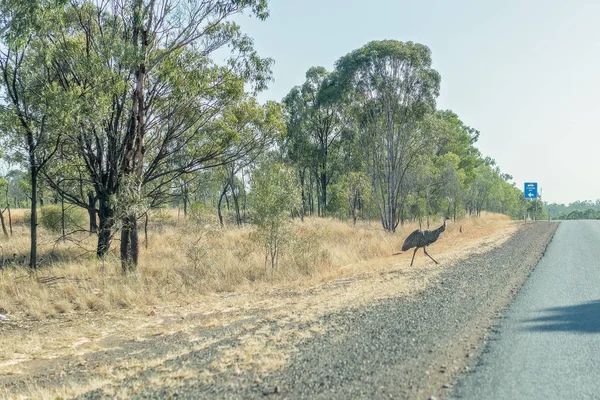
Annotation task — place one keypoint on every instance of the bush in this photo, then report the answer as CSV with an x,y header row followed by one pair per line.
x,y
306,251
275,193
202,215
27,218
51,218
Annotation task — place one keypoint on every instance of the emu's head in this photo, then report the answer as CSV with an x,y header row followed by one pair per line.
x,y
446,218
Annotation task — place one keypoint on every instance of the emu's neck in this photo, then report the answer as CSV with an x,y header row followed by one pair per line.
x,y
443,227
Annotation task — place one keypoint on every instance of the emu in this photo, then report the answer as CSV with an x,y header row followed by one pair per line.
x,y
420,238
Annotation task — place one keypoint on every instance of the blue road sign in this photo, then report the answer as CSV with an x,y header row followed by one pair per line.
x,y
531,190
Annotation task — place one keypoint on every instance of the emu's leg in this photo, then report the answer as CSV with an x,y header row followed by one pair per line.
x,y
429,255
413,259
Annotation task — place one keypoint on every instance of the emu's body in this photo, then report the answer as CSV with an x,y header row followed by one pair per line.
x,y
420,238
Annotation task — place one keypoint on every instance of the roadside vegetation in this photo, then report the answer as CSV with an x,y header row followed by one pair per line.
x,y
151,173
188,260
586,209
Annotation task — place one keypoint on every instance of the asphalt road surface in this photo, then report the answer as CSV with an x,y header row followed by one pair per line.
x,y
548,344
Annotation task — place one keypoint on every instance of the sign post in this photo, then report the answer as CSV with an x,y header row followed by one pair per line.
x,y
530,191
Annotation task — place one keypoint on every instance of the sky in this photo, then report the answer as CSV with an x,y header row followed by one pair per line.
x,y
526,74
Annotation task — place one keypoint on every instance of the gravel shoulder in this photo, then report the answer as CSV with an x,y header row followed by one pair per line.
x,y
408,348
413,344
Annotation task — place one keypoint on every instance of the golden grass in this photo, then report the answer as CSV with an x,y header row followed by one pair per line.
x,y
185,260
197,275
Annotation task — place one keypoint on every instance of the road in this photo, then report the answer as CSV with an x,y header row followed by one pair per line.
x,y
548,344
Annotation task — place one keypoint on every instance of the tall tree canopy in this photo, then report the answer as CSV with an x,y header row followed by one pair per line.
x,y
392,88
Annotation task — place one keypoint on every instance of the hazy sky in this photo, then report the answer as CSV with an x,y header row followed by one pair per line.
x,y
524,73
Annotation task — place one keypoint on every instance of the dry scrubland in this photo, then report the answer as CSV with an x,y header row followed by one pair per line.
x,y
196,277
187,259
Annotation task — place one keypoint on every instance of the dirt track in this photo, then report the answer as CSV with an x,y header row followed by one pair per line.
x,y
403,347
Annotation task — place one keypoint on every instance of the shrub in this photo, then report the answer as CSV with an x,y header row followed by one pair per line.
x,y
51,218
275,193
27,218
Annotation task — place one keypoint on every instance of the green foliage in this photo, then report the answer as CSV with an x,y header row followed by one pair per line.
x,y
274,197
350,197
536,210
27,218
585,209
413,161
362,141
51,218
393,89
203,215
578,214
315,120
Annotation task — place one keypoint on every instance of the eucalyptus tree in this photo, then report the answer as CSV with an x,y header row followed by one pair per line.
x,y
316,121
392,88
33,113
274,197
252,129
3,191
483,187
454,159
148,93
296,147
459,139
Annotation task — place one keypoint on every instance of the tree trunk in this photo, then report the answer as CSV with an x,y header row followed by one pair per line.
x,y
92,212
302,177
62,216
311,204
402,212
8,209
236,207
185,203
354,207
106,223
10,224
221,204
129,245
245,196
184,192
9,220
3,224
33,224
146,232
323,193
125,250
319,195
133,160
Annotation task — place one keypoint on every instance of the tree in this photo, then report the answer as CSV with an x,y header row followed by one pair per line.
x,y
3,190
315,118
148,93
274,196
296,147
33,111
355,185
252,129
393,89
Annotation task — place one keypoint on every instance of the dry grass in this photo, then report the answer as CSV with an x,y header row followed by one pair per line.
x,y
198,275
185,260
